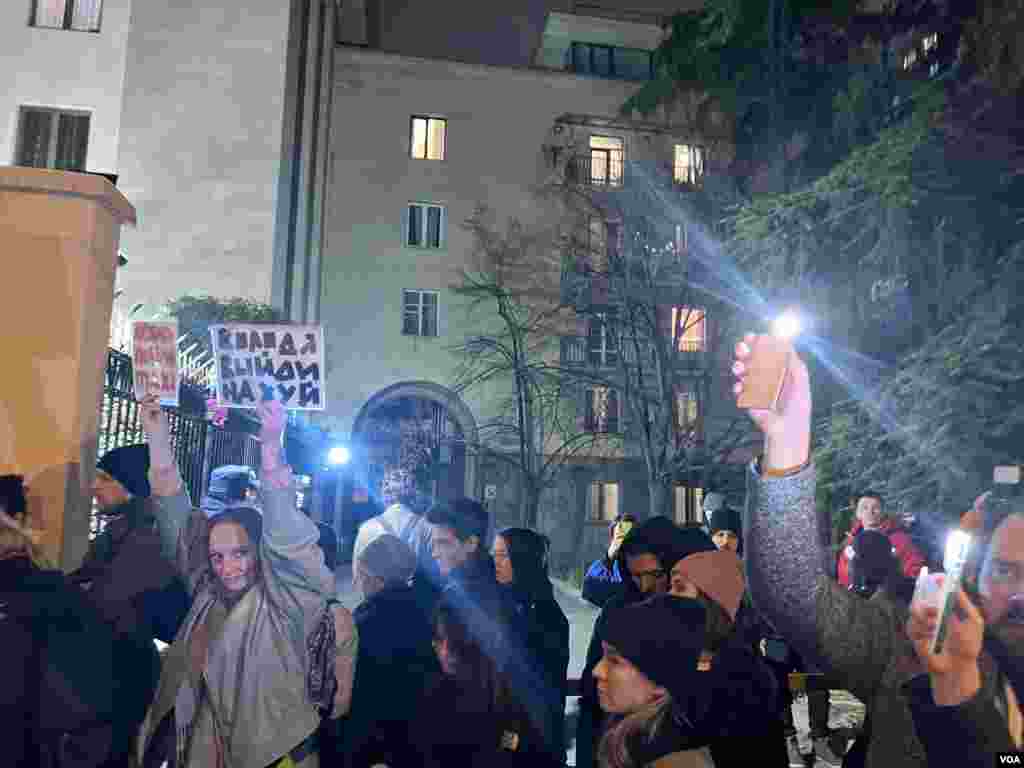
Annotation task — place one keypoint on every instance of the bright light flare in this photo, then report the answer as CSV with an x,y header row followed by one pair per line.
x,y
958,544
788,325
338,455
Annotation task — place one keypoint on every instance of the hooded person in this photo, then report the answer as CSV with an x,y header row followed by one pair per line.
x,y
53,708
647,682
724,523
645,559
394,667
130,579
230,486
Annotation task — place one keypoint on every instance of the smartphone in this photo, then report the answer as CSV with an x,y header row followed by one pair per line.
x,y
957,548
766,373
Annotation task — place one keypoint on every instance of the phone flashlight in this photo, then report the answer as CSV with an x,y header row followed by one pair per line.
x,y
958,546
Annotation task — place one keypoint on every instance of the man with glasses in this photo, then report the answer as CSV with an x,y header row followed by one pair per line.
x,y
645,559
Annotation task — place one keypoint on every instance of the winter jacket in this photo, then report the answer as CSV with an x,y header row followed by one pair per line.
x,y
257,668
602,582
462,727
971,734
395,666
670,543
861,643
541,633
57,701
911,558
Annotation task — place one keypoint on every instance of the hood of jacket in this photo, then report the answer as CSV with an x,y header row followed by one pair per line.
x,y
665,540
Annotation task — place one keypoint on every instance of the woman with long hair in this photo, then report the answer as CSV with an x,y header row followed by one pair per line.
x,y
254,666
539,652
647,682
470,717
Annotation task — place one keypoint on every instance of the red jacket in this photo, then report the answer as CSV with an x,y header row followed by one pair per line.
x,y
910,556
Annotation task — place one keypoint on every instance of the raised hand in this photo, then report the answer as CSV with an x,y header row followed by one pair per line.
x,y
153,419
954,670
273,418
787,428
158,433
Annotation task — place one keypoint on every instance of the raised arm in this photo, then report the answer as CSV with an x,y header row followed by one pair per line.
x,y
290,549
178,523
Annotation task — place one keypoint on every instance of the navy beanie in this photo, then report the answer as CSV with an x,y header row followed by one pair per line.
x,y
663,637
129,465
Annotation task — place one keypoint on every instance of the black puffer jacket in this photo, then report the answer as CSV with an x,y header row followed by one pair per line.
x,y
670,544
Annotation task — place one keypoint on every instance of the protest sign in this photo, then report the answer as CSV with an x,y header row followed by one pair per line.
x,y
258,362
155,360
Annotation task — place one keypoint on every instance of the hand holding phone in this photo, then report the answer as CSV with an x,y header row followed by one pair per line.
x,y
766,373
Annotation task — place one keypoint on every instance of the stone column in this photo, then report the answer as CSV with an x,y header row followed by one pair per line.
x,y
59,233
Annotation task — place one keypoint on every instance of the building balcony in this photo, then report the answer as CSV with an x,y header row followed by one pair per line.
x,y
599,170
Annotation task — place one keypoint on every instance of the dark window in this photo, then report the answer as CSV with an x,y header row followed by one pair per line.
x,y
611,61
419,313
425,225
50,138
602,415
77,15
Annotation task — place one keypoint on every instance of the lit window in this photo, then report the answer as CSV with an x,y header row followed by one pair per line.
x,y
602,343
77,15
606,161
425,225
602,410
604,502
687,410
910,59
52,138
688,329
687,503
931,42
419,313
688,167
429,135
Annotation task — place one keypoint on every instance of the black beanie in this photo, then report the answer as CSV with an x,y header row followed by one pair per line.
x,y
663,637
129,465
725,519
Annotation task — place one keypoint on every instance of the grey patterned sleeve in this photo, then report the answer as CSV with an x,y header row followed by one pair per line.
x,y
786,553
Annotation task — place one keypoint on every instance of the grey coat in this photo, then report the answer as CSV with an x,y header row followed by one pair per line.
x,y
859,642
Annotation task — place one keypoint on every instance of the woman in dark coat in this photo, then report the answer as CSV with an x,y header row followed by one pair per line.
x,y
470,717
540,653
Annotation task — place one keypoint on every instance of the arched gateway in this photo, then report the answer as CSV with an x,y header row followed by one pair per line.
x,y
414,436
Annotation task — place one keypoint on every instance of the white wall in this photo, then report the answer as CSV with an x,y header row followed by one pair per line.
x,y
200,147
498,121
67,69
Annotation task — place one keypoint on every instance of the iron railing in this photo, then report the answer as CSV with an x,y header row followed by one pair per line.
x,y
199,446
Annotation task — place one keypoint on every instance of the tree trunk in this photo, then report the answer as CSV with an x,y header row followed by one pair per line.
x,y
530,516
660,497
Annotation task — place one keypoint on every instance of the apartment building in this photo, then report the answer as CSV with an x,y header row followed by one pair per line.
x,y
417,144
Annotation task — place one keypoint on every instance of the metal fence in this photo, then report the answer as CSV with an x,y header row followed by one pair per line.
x,y
198,445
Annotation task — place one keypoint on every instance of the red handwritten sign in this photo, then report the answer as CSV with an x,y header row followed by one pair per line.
x,y
155,360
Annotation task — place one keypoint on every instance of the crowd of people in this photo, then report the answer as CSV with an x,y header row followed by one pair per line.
x,y
458,653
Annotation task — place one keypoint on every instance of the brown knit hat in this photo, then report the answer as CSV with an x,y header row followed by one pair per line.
x,y
719,575
389,559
